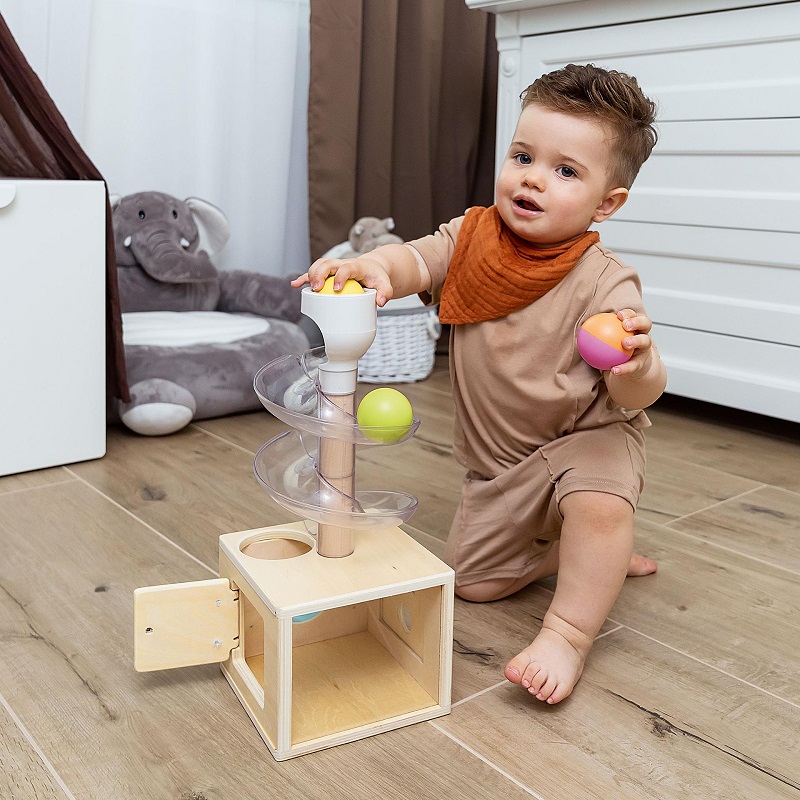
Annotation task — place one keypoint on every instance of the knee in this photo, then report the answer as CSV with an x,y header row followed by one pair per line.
x,y
598,510
486,591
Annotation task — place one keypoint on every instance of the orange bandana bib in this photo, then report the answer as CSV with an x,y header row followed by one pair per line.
x,y
494,272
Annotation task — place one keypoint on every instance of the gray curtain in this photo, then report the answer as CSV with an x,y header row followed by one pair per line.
x,y
401,117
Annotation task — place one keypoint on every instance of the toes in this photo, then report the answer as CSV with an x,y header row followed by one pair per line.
x,y
548,669
525,672
534,677
521,669
547,689
640,565
515,668
512,674
561,691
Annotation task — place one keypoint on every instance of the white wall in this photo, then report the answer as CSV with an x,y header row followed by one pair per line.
x,y
54,36
190,97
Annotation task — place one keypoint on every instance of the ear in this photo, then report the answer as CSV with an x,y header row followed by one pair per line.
x,y
612,202
114,200
212,224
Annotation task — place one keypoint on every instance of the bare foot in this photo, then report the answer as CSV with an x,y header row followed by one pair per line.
x,y
549,667
641,565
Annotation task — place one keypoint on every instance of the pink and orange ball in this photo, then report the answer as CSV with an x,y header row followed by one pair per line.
x,y
600,341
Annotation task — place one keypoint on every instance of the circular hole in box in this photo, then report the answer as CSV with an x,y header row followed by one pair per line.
x,y
277,546
406,620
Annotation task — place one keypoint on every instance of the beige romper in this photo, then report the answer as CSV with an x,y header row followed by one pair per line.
x,y
533,421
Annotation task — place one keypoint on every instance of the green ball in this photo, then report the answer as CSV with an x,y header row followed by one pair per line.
x,y
388,412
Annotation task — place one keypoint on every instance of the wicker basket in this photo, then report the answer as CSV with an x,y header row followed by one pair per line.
x,y
405,343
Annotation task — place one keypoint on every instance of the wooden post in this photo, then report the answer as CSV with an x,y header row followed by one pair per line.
x,y
337,464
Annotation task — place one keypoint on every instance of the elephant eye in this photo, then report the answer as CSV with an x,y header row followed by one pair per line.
x,y
142,215
174,214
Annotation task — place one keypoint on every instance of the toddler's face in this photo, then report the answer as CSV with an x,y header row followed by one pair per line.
x,y
554,181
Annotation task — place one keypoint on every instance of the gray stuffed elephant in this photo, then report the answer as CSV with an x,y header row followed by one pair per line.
x,y
194,336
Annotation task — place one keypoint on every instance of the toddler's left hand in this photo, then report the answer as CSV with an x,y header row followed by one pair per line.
x,y
638,325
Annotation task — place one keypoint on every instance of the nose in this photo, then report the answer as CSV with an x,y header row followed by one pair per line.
x,y
533,177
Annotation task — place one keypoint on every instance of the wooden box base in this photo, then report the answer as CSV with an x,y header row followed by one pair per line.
x,y
334,650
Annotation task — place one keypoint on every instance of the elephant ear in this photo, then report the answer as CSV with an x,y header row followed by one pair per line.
x,y
212,225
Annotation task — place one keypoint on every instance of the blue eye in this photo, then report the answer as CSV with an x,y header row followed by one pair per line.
x,y
523,158
566,172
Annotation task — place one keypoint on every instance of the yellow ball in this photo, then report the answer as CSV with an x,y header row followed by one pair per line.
x,y
387,412
350,287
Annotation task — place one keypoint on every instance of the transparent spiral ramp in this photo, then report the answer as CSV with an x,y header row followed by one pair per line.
x,y
288,465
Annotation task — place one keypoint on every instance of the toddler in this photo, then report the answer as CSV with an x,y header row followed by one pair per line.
x,y
553,449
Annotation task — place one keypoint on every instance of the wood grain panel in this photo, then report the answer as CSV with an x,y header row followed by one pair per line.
x,y
23,775
763,524
730,448
643,722
32,480
739,615
674,488
189,486
431,543
66,625
248,431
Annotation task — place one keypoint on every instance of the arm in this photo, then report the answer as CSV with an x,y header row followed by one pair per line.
x,y
640,381
393,270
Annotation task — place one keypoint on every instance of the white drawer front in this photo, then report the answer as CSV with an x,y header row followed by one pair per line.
x,y
743,373
713,221
52,324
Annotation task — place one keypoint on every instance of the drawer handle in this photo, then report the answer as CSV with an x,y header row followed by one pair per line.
x,y
8,191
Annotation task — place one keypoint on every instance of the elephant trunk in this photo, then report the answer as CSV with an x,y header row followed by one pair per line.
x,y
164,258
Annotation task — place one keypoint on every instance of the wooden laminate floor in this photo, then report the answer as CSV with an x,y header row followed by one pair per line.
x,y
691,691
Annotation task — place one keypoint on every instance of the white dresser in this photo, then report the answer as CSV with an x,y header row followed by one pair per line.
x,y
713,221
52,323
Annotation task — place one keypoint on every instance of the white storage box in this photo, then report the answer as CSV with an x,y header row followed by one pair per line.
x,y
52,323
405,343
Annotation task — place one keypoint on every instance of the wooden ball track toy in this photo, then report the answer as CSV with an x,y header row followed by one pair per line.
x,y
312,473
330,638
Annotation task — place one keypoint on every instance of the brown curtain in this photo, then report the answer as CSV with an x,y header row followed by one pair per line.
x,y
401,117
35,142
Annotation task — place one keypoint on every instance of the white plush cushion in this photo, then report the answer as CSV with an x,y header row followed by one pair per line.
x,y
157,419
185,328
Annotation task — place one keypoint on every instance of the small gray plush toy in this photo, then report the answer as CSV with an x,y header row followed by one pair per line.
x,y
194,336
366,235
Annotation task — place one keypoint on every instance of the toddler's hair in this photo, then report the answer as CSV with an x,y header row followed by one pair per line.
x,y
612,98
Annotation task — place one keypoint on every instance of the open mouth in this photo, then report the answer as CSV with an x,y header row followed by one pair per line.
x,y
526,205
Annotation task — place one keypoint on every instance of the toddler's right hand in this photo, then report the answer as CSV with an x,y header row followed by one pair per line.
x,y
366,269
